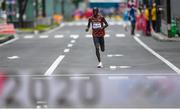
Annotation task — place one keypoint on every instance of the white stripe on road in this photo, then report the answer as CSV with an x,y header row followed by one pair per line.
x,y
69,45
118,77
43,36
120,35
88,35
13,57
121,67
54,65
58,36
107,35
66,50
172,66
79,78
114,55
75,36
28,37
156,77
73,41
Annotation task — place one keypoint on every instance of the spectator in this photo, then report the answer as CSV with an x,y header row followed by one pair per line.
x,y
147,17
154,17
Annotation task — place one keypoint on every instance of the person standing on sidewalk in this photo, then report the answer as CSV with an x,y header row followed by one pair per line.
x,y
99,24
132,18
148,24
154,17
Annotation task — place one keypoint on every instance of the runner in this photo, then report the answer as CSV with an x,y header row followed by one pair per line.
x,y
99,24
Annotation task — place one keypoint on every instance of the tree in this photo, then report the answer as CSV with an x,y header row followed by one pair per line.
x,y
22,9
76,2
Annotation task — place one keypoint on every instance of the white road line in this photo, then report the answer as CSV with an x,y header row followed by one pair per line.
x,y
66,50
114,55
107,35
172,66
118,77
54,65
55,29
88,35
58,36
10,41
120,67
43,36
28,36
74,36
79,78
137,35
73,41
120,35
69,45
156,77
13,57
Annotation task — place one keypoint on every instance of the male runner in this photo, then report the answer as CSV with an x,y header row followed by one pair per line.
x,y
99,24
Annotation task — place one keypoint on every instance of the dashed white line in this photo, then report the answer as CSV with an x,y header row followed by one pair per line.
x,y
28,37
43,36
54,65
114,55
69,45
13,57
121,67
88,36
66,50
120,35
79,78
10,41
74,36
172,66
107,35
156,77
58,36
73,41
118,77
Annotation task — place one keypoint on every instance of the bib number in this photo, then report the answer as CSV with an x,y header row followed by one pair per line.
x,y
96,25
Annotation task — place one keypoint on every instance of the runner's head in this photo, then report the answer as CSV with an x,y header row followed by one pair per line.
x,y
95,11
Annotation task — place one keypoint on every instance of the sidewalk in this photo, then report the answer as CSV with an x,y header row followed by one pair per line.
x,y
162,37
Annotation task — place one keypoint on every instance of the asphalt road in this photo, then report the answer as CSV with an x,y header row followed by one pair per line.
x,y
130,63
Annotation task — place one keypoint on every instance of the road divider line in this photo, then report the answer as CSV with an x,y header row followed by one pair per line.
x,y
120,35
69,45
114,55
58,36
172,66
118,77
120,67
43,36
28,36
66,50
79,78
156,77
88,35
75,36
54,65
73,41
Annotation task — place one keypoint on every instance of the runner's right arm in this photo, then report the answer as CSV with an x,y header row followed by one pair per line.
x,y
88,26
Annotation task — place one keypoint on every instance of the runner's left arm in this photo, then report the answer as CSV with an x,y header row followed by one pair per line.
x,y
88,26
105,22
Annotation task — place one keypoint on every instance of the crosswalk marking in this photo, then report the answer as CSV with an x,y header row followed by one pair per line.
x,y
58,36
74,36
120,35
28,37
43,36
66,50
107,35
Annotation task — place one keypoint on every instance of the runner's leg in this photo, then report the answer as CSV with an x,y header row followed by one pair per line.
x,y
102,45
96,44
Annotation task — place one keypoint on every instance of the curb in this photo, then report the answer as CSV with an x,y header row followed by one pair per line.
x,y
162,37
4,39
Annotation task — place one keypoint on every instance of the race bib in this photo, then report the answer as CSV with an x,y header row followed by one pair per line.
x,y
96,25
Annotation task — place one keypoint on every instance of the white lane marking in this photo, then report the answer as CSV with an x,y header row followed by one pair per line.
x,y
10,41
13,57
112,23
121,67
114,55
137,35
75,36
73,41
88,35
58,36
66,50
69,45
55,29
118,77
107,35
156,77
54,65
79,78
120,35
172,66
28,36
43,36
